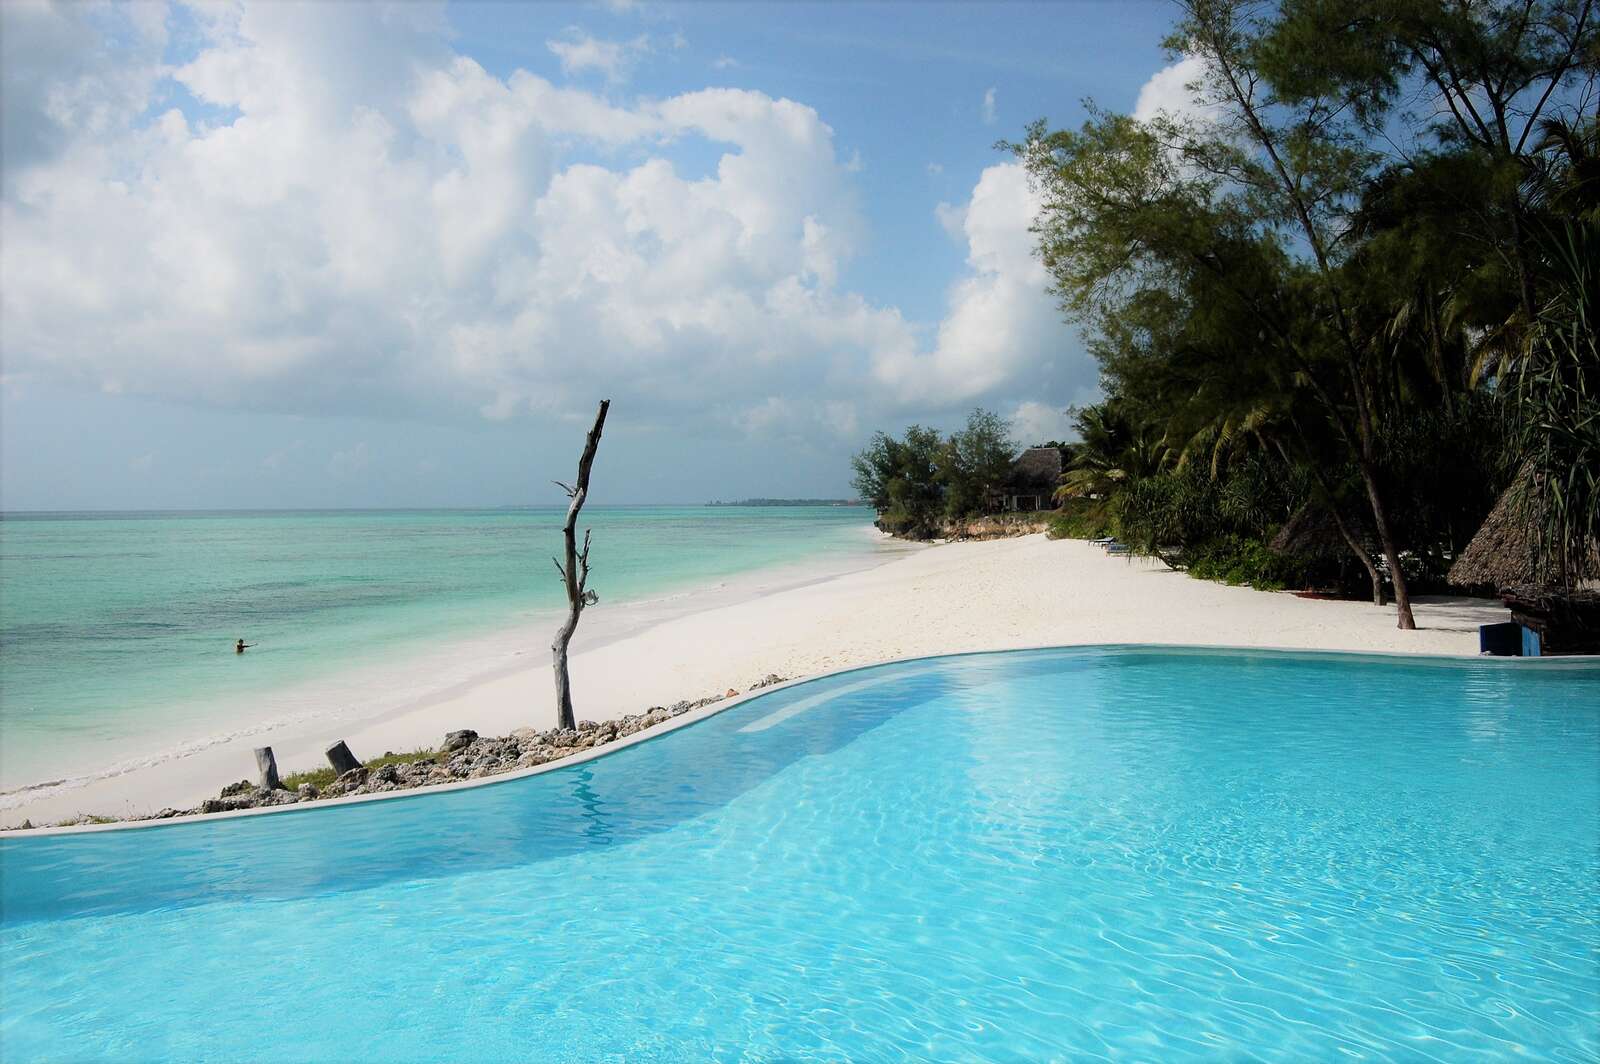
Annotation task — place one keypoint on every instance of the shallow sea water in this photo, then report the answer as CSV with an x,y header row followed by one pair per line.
x,y
1123,853
117,630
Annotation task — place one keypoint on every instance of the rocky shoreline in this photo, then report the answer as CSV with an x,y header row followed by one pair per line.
x,y
463,755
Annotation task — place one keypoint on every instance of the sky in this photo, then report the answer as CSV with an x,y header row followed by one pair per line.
x,y
339,254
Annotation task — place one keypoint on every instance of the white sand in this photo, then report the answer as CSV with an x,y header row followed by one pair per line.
x,y
955,597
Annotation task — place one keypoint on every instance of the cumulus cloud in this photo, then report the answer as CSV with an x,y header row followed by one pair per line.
x,y
1000,319
1033,422
347,216
988,107
1171,91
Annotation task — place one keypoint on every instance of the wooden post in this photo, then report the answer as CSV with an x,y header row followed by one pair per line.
x,y
268,767
575,573
340,757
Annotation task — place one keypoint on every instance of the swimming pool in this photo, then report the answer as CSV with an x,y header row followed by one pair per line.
x,y
1133,852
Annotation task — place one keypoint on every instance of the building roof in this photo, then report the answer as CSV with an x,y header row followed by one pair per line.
x,y
1503,552
1038,469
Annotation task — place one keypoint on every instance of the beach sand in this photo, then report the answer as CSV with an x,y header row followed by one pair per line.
x,y
993,595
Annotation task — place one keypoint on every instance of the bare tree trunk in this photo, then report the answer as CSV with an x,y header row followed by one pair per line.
x,y
1360,552
1402,597
575,573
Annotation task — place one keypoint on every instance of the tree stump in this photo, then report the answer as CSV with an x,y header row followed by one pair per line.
x,y
342,760
267,765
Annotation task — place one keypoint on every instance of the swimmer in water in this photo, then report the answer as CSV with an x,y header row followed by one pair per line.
x,y
241,646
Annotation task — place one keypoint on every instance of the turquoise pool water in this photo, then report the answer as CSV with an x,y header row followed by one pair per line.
x,y
1131,853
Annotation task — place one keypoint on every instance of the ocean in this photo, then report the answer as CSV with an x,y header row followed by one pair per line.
x,y
117,629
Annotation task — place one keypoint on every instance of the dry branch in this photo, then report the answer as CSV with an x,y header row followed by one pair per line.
x,y
575,572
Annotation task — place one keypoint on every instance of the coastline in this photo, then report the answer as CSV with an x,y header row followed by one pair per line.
x,y
313,713
952,598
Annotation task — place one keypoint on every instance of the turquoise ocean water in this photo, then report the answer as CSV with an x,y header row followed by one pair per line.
x,y
116,629
1091,854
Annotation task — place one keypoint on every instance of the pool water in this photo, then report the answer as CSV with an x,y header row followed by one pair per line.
x,y
1068,854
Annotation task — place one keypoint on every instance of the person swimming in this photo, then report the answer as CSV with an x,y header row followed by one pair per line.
x,y
241,646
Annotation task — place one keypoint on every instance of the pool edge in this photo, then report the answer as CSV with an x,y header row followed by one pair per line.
x,y
695,716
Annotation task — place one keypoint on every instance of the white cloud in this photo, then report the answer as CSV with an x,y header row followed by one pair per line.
x,y
935,168
580,53
1000,318
403,230
1034,422
1170,91
724,62
953,220
988,107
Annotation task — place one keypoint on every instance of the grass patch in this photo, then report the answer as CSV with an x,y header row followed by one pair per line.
x,y
320,778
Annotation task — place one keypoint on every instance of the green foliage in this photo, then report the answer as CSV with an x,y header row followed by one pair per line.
x,y
1236,560
900,479
974,462
1557,428
1082,519
1291,315
320,778
917,481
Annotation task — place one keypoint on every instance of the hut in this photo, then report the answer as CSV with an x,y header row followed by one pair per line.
x,y
1503,559
1503,553
1032,484
1312,533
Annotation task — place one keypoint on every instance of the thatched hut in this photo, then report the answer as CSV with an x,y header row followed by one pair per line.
x,y
1034,477
1503,558
1312,533
1504,552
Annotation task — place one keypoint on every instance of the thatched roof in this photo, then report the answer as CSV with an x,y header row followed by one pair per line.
x,y
1312,532
1038,469
1503,553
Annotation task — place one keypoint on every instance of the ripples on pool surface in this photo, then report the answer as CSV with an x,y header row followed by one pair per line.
x,y
1056,854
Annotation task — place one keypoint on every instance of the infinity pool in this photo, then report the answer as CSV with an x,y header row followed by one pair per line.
x,y
1068,854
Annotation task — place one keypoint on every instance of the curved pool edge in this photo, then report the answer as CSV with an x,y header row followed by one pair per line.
x,y
695,716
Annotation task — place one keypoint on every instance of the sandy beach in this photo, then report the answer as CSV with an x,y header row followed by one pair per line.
x,y
949,598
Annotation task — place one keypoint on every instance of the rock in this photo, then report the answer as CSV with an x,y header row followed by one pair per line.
x,y
731,693
307,791
385,774
766,681
356,777
237,788
167,814
457,740
587,725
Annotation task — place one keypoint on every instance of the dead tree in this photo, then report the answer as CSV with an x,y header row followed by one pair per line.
x,y
575,573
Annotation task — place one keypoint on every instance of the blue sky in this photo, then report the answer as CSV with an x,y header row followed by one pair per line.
x,y
368,255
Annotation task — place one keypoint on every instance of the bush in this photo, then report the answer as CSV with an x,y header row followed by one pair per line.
x,y
1238,560
1082,519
